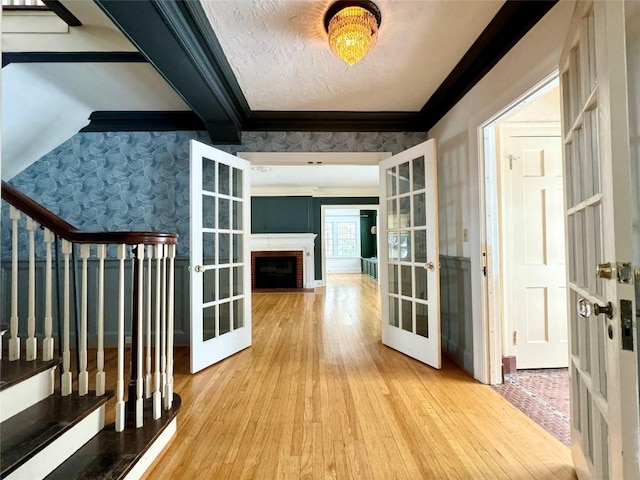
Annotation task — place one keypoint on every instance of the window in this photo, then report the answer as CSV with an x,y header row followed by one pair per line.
x,y
342,237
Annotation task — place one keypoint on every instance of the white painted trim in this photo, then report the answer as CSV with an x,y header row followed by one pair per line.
x,y
21,396
53,455
487,333
153,452
307,158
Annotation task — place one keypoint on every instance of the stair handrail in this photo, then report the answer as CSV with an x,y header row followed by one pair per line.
x,y
160,248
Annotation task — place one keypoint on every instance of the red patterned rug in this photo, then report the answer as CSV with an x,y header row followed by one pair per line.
x,y
543,395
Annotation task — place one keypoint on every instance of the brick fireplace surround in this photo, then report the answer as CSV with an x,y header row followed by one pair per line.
x,y
299,264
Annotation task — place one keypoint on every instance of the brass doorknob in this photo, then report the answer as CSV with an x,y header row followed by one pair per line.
x,y
604,270
197,268
607,309
431,266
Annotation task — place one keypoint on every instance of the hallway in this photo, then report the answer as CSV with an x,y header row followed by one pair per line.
x,y
318,396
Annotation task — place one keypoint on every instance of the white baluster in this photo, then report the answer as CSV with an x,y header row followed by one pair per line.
x,y
83,375
47,343
100,374
120,406
32,341
14,340
163,344
139,378
147,378
157,396
168,397
66,380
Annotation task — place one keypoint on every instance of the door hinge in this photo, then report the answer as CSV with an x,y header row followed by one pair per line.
x,y
484,263
511,159
515,337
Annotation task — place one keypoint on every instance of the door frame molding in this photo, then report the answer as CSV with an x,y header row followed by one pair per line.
x,y
488,346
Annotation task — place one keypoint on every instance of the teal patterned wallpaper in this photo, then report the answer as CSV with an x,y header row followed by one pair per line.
x,y
140,180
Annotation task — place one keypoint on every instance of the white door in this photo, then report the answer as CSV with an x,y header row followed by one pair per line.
x,y
604,373
535,281
409,264
220,255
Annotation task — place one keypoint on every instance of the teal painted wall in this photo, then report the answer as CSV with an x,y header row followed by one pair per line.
x,y
367,239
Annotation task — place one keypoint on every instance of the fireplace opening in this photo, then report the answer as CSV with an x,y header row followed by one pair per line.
x,y
276,272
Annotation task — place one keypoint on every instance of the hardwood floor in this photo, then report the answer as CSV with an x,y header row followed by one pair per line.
x,y
318,396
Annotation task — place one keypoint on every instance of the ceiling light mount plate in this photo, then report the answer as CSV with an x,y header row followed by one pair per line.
x,y
342,4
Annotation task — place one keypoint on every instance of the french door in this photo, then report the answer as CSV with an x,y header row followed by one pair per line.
x,y
409,259
220,255
603,364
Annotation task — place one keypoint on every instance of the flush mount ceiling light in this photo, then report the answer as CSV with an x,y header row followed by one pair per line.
x,y
353,28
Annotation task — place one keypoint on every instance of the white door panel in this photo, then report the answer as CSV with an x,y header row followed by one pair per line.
x,y
604,375
409,258
220,255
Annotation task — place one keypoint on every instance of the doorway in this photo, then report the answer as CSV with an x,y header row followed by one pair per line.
x,y
526,277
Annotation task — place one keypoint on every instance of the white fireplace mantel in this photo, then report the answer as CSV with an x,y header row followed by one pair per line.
x,y
272,242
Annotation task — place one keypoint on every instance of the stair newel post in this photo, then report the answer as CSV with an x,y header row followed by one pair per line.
x,y
168,397
157,396
47,343
120,405
32,341
136,383
83,374
147,378
14,340
66,380
100,374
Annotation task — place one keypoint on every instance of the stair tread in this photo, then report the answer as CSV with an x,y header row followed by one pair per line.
x,y
31,430
16,371
110,454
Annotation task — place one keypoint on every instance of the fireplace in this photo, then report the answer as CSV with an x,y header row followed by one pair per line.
x,y
298,245
276,269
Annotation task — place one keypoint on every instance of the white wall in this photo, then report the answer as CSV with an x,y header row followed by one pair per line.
x,y
460,193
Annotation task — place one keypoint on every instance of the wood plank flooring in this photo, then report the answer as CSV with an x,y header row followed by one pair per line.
x,y
319,396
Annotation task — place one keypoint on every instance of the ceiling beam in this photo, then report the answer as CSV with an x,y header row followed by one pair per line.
x,y
168,36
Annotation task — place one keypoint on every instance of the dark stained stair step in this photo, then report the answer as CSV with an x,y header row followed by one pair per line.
x,y
110,455
30,431
16,371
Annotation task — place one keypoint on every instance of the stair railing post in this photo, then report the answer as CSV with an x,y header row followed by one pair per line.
x,y
14,340
66,380
100,374
47,343
83,374
136,383
120,405
32,341
157,396
168,397
163,341
147,378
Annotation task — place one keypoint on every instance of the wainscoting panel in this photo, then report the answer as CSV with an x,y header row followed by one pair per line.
x,y
455,310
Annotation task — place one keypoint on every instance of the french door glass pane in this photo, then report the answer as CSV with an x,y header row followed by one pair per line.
x,y
403,178
208,248
391,182
394,314
208,175
224,183
405,246
422,319
392,213
237,248
419,210
392,238
238,279
405,280
405,212
224,214
225,318
407,315
224,240
393,278
208,211
418,174
420,246
208,286
225,291
209,322
421,283
238,314
237,183
236,215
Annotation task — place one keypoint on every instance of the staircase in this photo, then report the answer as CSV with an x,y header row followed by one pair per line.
x,y
52,424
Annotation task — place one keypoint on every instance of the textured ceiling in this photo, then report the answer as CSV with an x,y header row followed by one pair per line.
x,y
279,54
